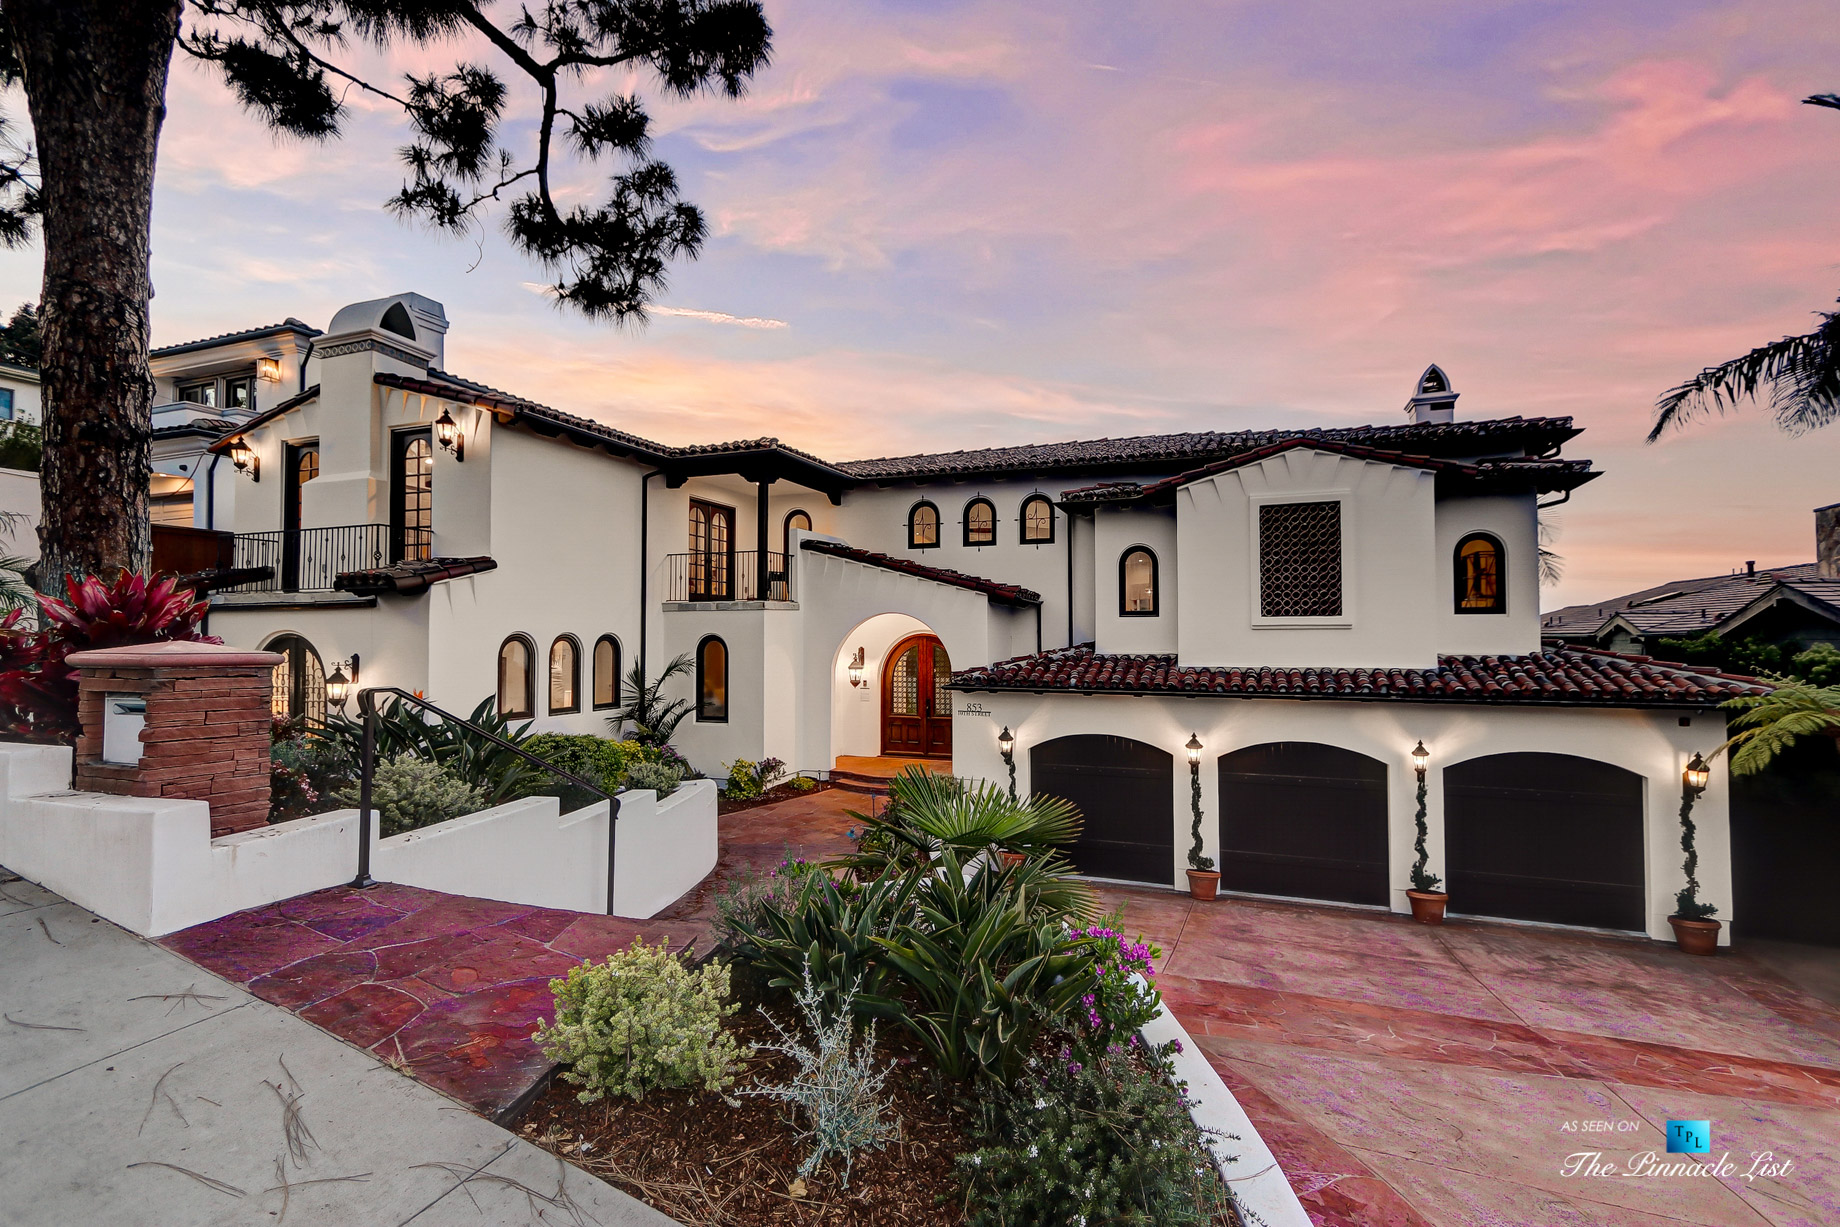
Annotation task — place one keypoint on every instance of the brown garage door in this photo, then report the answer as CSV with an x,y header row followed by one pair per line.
x,y
1304,820
1122,788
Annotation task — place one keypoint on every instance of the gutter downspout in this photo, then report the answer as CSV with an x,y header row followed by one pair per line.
x,y
1070,524
303,365
645,569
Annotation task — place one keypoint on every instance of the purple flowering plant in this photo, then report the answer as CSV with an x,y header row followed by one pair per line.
x,y
1118,1003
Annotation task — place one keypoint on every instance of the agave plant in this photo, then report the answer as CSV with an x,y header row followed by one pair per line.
x,y
38,690
1772,722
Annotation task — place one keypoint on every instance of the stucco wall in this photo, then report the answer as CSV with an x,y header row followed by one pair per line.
x,y
1116,530
1651,744
1513,521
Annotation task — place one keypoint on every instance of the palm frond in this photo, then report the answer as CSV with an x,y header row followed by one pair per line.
x,y
15,592
1772,722
1823,100
1801,375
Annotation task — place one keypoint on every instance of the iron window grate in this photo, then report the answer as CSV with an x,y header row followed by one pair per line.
x,y
1300,560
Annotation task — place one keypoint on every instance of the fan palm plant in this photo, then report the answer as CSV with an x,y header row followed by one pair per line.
x,y
654,719
1772,722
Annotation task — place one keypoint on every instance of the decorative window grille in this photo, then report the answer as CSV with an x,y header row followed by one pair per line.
x,y
1300,560
904,684
942,677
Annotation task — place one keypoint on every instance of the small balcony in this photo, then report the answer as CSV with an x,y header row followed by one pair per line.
x,y
310,559
727,578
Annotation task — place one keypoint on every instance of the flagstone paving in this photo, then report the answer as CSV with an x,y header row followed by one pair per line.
x,y
1407,1075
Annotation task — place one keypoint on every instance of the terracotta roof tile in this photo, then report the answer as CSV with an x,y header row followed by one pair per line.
x,y
290,324
1004,594
1568,676
409,577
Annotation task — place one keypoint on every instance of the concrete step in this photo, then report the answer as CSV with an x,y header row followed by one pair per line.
x,y
860,782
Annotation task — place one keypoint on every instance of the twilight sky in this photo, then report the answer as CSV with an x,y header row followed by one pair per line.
x,y
941,225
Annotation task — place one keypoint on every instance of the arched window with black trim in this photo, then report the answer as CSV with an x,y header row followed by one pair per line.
x,y
796,521
1481,580
299,682
1037,520
712,681
606,672
923,527
514,689
1137,583
564,676
980,522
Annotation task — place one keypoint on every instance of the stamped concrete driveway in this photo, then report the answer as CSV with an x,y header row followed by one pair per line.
x,y
1409,1075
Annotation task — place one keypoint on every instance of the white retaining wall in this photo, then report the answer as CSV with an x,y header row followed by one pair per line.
x,y
151,866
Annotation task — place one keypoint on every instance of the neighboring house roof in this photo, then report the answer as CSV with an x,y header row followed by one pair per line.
x,y
1538,476
1561,677
409,577
1473,438
205,428
264,418
1690,607
1003,594
290,324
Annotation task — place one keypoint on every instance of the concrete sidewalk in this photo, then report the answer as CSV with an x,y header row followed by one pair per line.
x,y
138,1088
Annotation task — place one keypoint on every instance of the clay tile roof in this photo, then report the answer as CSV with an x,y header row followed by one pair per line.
x,y
1687,607
1003,594
290,324
1563,677
410,576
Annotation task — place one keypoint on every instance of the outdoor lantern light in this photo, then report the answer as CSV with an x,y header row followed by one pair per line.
x,y
1006,742
1697,774
245,459
1194,750
448,432
268,370
1420,756
338,686
856,669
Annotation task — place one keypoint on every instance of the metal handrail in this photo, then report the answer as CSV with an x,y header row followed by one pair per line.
x,y
367,762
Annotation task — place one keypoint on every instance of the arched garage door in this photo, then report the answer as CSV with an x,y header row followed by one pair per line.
x,y
1123,790
1304,820
1545,837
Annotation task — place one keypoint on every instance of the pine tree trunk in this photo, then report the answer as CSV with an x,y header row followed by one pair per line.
x,y
95,84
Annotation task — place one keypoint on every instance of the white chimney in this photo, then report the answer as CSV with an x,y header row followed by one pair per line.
x,y
1433,401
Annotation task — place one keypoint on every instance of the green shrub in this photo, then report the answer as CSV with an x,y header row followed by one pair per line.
x,y
747,780
409,792
803,783
660,776
837,1087
1818,666
304,772
640,1020
830,927
1091,1137
22,446
601,761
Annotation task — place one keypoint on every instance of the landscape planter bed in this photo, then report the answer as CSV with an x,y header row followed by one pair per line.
x,y
779,792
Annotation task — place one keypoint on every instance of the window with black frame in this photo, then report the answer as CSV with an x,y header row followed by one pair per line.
x,y
1037,520
1137,583
980,522
514,688
712,681
606,672
1479,586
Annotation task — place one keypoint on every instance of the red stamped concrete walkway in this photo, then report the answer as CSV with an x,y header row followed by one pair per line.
x,y
1406,1075
449,987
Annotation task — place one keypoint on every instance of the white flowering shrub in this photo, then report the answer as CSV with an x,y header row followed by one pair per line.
x,y
838,1088
640,1020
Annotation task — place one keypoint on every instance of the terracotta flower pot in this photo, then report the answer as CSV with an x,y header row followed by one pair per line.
x,y
1012,859
1428,906
1203,884
1696,936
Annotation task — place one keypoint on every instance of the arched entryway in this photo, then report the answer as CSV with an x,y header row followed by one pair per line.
x,y
1123,789
299,685
1304,820
1549,837
916,706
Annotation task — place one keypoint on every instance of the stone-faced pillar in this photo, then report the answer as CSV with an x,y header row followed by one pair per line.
x,y
178,720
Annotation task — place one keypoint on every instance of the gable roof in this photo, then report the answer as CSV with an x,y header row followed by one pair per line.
x,y
1001,593
1473,438
290,324
1562,677
1489,476
1688,607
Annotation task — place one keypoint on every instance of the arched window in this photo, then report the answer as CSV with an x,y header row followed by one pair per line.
x,y
564,676
712,681
796,521
514,691
980,522
606,672
923,527
1037,520
298,689
1137,583
1481,584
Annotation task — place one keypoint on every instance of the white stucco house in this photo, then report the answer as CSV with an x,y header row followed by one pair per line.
x,y
1307,606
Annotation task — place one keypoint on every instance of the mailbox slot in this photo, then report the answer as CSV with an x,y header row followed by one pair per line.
x,y
123,717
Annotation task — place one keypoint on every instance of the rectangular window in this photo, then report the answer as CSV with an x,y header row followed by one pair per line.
x,y
240,392
412,494
6,404
1300,560
200,393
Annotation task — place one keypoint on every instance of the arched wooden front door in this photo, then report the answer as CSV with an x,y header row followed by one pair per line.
x,y
916,706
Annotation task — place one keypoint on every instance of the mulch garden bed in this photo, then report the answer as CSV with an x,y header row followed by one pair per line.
x,y
707,1164
779,792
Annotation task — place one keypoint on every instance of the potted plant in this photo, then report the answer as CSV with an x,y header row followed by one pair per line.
x,y
1203,880
1695,932
1426,899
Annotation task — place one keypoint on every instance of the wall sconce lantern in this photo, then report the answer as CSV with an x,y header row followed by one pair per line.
x,y
856,669
268,370
338,686
1194,750
1006,746
448,432
1696,776
245,459
1421,758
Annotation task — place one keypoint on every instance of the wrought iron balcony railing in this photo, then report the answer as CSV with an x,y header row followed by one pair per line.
x,y
309,559
728,577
